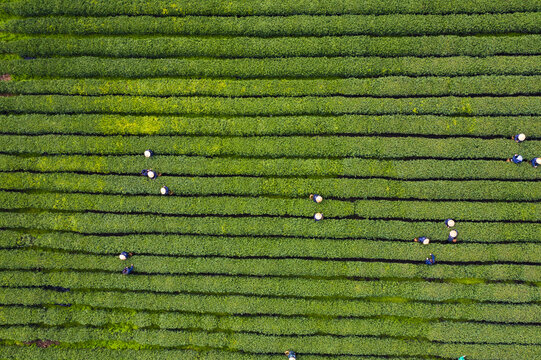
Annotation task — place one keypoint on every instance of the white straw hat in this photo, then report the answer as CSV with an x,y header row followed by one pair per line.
x,y
450,222
319,198
318,216
453,233
521,137
163,190
426,241
148,153
150,174
538,161
122,257
519,157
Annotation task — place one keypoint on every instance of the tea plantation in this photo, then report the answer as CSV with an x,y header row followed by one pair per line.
x,y
400,114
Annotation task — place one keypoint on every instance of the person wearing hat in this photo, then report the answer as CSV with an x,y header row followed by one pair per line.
x,y
430,261
148,153
291,354
318,216
422,240
124,255
452,236
127,270
449,223
152,174
519,138
517,159
536,161
316,198
165,191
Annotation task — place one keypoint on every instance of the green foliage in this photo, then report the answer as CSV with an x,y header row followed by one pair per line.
x,y
265,226
338,188
279,167
265,7
386,86
298,67
106,124
296,25
231,47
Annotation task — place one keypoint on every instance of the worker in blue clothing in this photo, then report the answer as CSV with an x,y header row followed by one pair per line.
x,y
127,270
449,223
150,173
165,191
422,240
519,138
316,198
148,153
124,255
430,261
536,162
517,159
291,355
452,236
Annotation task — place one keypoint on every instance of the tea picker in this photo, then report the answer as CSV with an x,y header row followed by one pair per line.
x,y
148,153
125,255
422,240
519,138
431,260
536,161
517,159
150,173
127,270
449,223
452,236
165,191
291,354
316,198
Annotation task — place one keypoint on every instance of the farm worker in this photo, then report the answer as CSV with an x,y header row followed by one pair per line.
x,y
422,240
519,138
316,198
449,223
452,236
536,161
165,191
430,261
462,357
127,270
318,216
517,159
290,354
148,153
124,255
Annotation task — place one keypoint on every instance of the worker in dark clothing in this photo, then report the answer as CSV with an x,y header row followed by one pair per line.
x,y
536,161
148,153
452,236
125,255
127,270
519,138
430,261
144,172
165,191
422,240
316,198
291,355
150,173
449,223
517,159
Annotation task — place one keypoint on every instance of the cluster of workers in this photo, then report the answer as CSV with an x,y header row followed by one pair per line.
x,y
450,223
453,234
517,158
